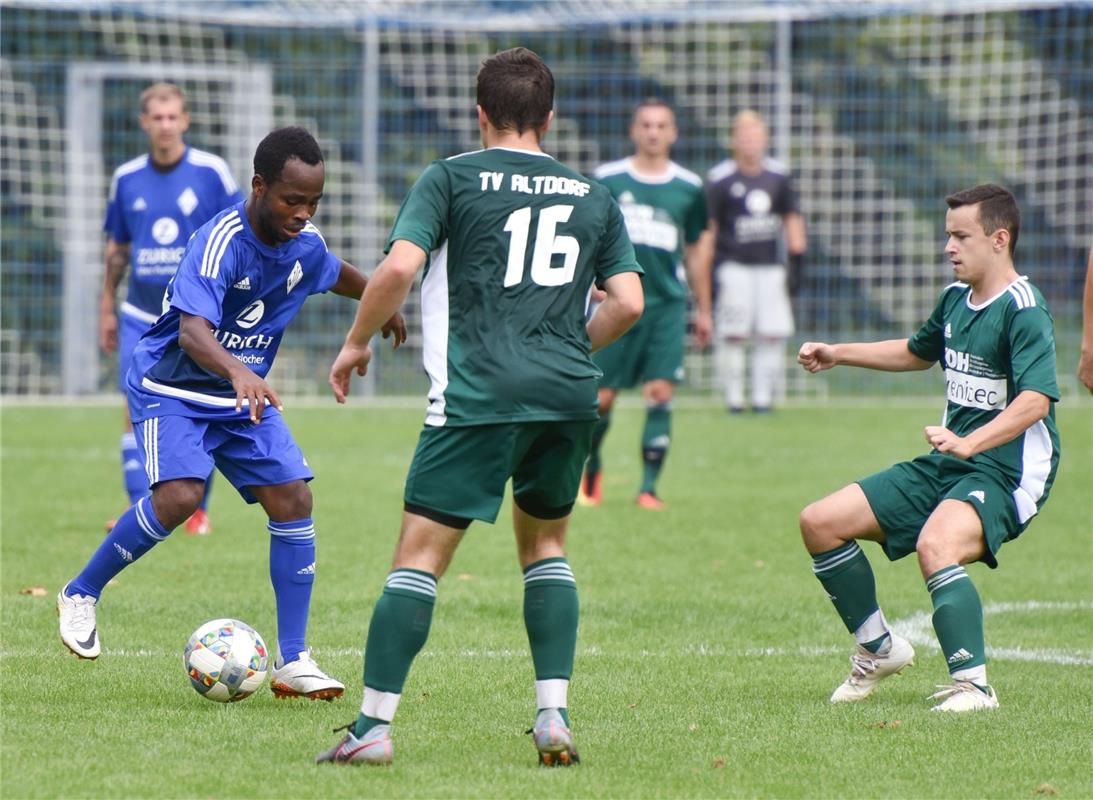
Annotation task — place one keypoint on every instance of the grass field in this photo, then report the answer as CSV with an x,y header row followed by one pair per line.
x,y
706,654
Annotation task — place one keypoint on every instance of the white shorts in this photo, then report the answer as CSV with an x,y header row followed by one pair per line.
x,y
752,300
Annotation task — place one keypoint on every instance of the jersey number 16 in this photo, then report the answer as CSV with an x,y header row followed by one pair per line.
x,y
547,244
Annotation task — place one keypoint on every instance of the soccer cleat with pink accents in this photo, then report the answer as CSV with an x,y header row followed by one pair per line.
x,y
553,740
374,748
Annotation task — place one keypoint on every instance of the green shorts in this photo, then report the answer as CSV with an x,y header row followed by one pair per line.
x,y
459,473
904,495
651,350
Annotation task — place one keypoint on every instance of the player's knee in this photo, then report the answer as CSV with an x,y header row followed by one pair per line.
x,y
933,551
295,502
659,393
815,525
174,501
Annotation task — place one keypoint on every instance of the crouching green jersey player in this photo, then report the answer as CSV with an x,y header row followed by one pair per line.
x,y
514,241
993,461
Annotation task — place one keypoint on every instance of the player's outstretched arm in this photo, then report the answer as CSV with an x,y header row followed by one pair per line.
x,y
1027,408
351,283
621,308
382,298
195,336
891,355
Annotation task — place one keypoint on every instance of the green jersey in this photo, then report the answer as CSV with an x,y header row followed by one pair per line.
x,y
992,352
515,241
662,215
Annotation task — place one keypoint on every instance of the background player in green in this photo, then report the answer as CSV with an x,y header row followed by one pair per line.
x,y
992,466
513,241
665,212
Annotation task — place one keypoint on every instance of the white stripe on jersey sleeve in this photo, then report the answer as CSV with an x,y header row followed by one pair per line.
x,y
774,165
685,175
1022,294
226,222
138,163
204,159
611,168
309,227
722,170
225,240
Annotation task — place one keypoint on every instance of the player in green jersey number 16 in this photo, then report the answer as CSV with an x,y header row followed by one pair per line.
x,y
992,465
511,242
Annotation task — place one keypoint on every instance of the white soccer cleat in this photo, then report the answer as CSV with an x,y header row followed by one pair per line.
x,y
374,748
79,629
303,678
964,696
553,740
870,668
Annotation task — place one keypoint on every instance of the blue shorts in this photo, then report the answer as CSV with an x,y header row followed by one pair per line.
x,y
130,329
265,454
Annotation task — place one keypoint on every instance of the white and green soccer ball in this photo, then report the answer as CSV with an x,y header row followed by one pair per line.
x,y
226,660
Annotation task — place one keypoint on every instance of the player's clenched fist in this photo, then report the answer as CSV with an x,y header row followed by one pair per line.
x,y
816,356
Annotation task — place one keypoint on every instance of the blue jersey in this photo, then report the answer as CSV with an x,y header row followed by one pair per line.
x,y
248,291
156,211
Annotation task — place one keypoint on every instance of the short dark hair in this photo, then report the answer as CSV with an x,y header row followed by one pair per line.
x,y
516,90
281,145
652,102
997,208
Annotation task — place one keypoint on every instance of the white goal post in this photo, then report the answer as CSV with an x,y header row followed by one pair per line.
x,y
248,117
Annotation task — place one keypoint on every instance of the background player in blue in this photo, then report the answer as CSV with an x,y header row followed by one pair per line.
x,y
752,206
198,396
990,471
508,351
156,202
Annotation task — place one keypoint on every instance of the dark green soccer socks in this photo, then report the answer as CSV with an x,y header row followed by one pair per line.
x,y
958,622
551,612
399,628
655,437
598,432
848,580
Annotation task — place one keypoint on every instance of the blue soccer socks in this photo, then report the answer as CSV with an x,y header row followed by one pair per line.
x,y
292,573
132,469
136,532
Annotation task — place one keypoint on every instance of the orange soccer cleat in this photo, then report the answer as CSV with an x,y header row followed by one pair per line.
x,y
198,524
650,502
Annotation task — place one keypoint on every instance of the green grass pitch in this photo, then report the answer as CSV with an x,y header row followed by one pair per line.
x,y
706,654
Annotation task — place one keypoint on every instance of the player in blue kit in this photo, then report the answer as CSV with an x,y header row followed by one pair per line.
x,y
198,396
156,202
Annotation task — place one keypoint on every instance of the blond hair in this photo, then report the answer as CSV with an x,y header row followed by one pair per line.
x,y
746,116
161,91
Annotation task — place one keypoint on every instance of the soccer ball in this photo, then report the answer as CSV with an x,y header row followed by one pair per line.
x,y
226,660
